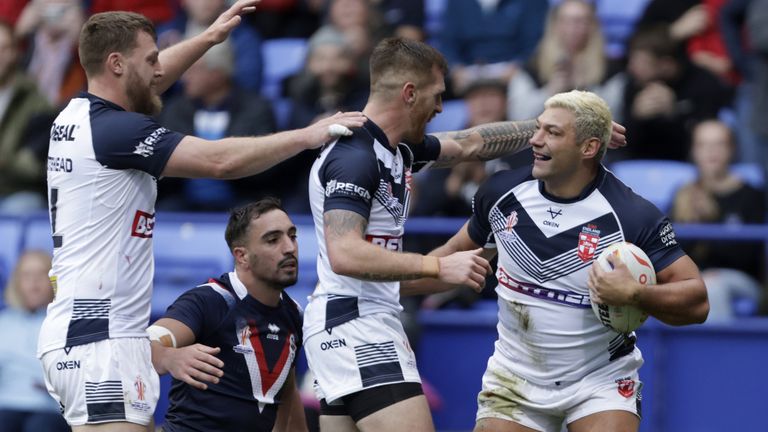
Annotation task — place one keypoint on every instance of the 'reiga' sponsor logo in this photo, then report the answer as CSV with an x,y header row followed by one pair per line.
x,y
146,148
337,187
143,224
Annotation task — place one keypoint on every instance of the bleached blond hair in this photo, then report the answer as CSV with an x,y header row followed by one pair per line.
x,y
592,117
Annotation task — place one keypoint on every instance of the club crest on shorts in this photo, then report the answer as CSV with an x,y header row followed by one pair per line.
x,y
626,387
589,237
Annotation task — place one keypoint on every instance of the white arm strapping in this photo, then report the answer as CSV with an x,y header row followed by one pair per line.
x,y
162,335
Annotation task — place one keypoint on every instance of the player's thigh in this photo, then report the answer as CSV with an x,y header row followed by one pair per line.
x,y
606,421
114,427
337,423
489,424
407,415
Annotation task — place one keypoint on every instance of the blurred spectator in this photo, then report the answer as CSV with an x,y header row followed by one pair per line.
x,y
482,38
707,48
22,178
25,405
159,11
287,18
329,82
52,28
730,269
571,55
684,18
10,10
213,107
360,22
403,18
750,57
196,16
665,95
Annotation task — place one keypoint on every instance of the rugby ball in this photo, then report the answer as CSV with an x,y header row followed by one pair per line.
x,y
625,319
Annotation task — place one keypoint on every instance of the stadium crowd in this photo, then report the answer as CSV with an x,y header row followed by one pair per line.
x,y
688,79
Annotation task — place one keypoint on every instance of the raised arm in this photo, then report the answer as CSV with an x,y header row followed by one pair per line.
x,y
493,140
178,58
194,364
351,255
230,158
679,298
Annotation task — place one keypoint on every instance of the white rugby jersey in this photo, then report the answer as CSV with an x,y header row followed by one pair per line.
x,y
546,246
364,174
103,163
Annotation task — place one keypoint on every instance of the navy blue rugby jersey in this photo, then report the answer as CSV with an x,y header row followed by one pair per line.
x,y
364,174
545,247
103,166
259,344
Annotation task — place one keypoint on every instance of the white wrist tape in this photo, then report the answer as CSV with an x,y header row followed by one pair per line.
x,y
336,130
162,335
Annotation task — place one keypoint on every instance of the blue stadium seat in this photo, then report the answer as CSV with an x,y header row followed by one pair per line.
x,y
282,108
188,249
655,180
37,233
433,17
617,20
11,233
453,117
751,172
282,57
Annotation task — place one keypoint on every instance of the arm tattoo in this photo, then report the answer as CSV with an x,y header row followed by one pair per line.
x,y
504,138
339,222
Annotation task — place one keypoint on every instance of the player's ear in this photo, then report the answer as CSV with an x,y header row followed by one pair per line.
x,y
409,93
590,148
241,255
115,63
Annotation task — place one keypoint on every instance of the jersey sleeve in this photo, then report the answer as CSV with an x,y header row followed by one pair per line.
x,y
196,308
350,178
659,242
425,153
128,140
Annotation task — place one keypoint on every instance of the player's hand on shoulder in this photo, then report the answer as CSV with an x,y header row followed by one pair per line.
x,y
329,128
230,18
466,268
614,288
618,136
195,365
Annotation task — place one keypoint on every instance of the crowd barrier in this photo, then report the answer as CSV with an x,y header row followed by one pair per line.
x,y
698,378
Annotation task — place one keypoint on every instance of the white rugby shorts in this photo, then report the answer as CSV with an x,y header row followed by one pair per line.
x,y
363,353
112,380
508,396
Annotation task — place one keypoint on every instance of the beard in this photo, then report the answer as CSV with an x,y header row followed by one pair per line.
x,y
143,100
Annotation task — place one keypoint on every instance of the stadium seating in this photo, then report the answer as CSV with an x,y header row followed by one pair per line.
x,y
751,172
655,180
453,117
11,232
282,57
282,108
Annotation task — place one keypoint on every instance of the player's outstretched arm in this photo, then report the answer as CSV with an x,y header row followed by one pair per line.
x,y
493,140
679,298
460,243
290,413
190,362
178,58
231,158
351,255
